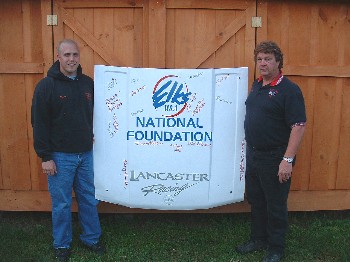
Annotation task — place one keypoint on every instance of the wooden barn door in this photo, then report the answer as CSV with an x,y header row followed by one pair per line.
x,y
21,67
159,33
317,57
26,44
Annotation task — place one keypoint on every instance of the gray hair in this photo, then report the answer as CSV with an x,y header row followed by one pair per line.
x,y
269,47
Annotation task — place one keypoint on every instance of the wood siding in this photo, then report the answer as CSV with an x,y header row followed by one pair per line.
x,y
182,34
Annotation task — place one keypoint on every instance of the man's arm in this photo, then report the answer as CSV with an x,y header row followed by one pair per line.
x,y
41,127
296,135
285,168
41,120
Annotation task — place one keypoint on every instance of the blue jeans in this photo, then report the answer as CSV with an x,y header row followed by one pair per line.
x,y
74,171
267,197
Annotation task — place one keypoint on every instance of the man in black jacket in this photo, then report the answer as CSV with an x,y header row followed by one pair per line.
x,y
62,120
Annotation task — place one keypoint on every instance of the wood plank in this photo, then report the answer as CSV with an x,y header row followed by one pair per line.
x,y
249,43
124,35
325,133
301,171
328,33
139,37
319,200
308,87
343,178
285,25
212,49
208,4
11,31
2,135
103,26
32,52
21,68
302,40
156,38
102,3
58,30
274,16
47,38
11,200
335,138
35,35
170,38
261,32
227,55
205,26
1,176
217,41
90,39
14,145
314,70
145,35
27,25
14,134
185,37
296,42
87,56
67,31
38,179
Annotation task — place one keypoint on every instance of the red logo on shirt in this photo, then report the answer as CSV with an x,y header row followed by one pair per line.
x,y
273,92
88,96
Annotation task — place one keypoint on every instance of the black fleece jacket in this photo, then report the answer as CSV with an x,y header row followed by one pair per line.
x,y
62,113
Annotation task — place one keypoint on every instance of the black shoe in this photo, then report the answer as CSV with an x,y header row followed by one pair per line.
x,y
98,248
62,254
251,246
273,256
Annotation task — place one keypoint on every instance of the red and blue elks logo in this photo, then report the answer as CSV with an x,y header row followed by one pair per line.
x,y
170,95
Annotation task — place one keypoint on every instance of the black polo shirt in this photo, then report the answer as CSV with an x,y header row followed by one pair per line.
x,y
271,111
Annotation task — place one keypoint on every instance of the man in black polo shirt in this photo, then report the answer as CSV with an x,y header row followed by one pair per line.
x,y
274,126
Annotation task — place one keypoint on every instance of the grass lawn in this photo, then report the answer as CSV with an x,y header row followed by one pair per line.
x,y
313,236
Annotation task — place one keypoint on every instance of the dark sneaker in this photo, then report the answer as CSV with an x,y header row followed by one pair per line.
x,y
251,246
62,254
98,248
273,256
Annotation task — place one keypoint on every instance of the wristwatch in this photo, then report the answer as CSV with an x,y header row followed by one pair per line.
x,y
288,159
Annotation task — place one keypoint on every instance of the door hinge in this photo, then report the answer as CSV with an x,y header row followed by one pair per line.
x,y
256,21
51,20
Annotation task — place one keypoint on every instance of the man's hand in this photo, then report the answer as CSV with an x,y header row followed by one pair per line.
x,y
285,171
49,167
